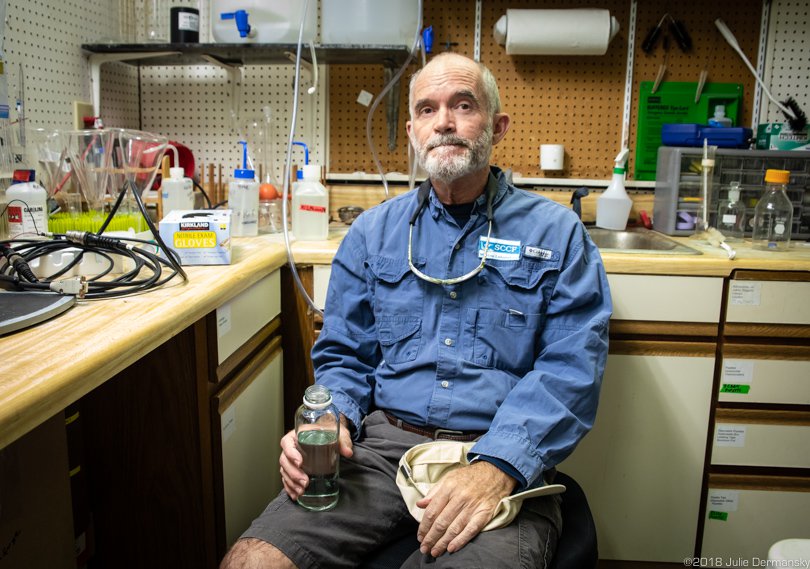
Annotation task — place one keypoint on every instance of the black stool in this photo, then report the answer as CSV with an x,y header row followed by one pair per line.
x,y
576,548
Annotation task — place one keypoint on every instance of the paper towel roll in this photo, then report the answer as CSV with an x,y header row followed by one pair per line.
x,y
577,31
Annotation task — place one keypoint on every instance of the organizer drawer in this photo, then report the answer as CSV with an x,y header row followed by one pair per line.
x,y
246,313
765,374
772,302
742,522
666,298
761,438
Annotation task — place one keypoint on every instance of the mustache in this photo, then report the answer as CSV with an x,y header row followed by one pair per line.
x,y
447,139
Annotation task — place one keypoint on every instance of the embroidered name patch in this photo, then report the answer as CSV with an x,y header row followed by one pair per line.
x,y
538,253
500,249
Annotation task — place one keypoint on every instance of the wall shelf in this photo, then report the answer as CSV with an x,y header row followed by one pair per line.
x,y
246,54
232,57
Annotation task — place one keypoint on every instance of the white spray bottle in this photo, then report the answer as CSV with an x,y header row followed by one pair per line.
x,y
613,206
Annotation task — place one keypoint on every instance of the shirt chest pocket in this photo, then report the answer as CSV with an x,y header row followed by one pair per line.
x,y
504,330
398,301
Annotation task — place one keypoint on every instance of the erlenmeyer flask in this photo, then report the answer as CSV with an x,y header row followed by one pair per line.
x,y
141,153
257,131
90,157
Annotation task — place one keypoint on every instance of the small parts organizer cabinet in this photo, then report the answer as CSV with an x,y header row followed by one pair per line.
x,y
759,473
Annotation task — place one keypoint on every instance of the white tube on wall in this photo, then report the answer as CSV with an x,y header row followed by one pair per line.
x,y
578,31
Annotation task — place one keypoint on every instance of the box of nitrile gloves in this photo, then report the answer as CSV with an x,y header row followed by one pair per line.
x,y
778,136
199,237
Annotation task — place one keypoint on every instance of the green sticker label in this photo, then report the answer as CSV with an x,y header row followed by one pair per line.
x,y
722,516
735,388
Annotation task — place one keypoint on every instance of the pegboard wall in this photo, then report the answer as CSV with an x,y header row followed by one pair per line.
x,y
575,101
47,71
788,57
201,107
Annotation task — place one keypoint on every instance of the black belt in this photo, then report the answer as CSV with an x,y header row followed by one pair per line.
x,y
435,434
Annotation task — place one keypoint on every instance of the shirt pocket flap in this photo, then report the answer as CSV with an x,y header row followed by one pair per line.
x,y
391,270
525,274
394,328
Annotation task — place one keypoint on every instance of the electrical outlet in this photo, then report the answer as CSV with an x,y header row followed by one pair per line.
x,y
81,110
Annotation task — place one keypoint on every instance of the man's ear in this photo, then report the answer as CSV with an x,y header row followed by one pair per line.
x,y
500,126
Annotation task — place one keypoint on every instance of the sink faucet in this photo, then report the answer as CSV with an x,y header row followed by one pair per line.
x,y
576,198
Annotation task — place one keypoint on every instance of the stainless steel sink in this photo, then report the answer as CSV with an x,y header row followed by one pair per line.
x,y
638,240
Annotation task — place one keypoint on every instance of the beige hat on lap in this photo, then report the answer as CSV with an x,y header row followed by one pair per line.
x,y
424,465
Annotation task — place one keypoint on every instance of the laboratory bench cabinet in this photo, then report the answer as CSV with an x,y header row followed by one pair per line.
x,y
642,464
180,450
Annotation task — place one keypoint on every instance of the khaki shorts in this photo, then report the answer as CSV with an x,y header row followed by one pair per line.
x,y
370,512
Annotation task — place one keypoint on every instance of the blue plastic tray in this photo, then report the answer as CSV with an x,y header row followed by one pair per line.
x,y
694,135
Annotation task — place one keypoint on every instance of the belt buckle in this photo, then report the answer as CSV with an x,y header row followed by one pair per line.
x,y
440,434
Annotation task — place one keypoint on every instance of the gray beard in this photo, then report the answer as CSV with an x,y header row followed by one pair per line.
x,y
447,169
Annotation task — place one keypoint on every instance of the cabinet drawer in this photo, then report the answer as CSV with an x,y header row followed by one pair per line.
x,y
245,314
743,522
650,427
320,284
249,422
765,374
771,302
664,298
761,438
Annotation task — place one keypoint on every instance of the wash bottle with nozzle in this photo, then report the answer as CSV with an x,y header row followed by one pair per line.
x,y
613,206
243,199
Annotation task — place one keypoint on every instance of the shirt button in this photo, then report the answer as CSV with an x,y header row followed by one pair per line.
x,y
448,341
445,384
458,246
453,294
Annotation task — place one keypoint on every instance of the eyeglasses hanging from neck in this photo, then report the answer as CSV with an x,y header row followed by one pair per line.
x,y
421,202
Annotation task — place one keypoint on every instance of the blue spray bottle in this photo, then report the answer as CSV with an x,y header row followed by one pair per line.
x,y
243,199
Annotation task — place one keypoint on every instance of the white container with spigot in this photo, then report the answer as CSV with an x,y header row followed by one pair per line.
x,y
614,205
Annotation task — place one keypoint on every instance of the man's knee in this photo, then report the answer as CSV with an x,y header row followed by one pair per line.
x,y
251,553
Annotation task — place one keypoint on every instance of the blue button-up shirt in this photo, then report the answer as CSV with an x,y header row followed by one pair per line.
x,y
517,351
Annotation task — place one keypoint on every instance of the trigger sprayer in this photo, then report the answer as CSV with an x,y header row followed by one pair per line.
x,y
614,205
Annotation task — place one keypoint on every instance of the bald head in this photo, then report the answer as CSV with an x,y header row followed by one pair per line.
x,y
448,60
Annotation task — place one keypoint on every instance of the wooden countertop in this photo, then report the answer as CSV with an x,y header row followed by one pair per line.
x,y
712,262
50,366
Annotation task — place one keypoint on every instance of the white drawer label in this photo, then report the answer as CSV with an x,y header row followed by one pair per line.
x,y
738,371
723,500
745,294
730,436
223,319
228,422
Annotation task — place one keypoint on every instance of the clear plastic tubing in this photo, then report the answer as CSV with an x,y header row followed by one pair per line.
x,y
288,158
